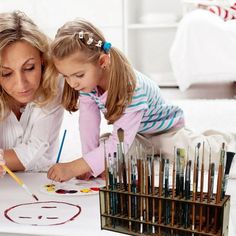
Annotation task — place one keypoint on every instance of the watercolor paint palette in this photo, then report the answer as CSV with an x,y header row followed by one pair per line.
x,y
73,187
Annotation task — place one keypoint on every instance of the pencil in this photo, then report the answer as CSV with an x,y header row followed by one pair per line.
x,y
61,146
19,181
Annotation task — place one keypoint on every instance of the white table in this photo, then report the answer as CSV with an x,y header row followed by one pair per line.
x,y
87,223
11,194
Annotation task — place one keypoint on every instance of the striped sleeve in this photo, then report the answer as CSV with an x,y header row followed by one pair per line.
x,y
139,101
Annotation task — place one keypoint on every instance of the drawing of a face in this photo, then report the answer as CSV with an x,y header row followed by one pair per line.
x,y
43,213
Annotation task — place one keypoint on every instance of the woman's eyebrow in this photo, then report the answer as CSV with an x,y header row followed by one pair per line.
x,y
31,58
6,67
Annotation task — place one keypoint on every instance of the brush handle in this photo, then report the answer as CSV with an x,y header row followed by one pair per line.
x,y
17,179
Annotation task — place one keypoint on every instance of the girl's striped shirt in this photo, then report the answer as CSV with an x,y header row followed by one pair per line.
x,y
147,113
159,116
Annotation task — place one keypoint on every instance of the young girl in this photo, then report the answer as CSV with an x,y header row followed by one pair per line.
x,y
30,110
98,77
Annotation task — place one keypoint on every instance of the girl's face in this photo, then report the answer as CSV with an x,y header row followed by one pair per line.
x,y
80,75
20,71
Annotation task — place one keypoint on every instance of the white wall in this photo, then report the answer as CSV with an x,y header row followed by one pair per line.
x,y
49,15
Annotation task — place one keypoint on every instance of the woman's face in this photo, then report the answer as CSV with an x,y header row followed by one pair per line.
x,y
20,71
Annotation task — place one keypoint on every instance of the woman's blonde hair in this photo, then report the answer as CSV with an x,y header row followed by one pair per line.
x,y
17,26
74,36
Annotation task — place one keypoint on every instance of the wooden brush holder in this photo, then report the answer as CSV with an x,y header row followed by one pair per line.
x,y
151,214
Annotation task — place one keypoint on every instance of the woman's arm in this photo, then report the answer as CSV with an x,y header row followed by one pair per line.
x,y
12,161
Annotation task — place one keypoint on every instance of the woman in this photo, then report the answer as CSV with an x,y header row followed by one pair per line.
x,y
30,110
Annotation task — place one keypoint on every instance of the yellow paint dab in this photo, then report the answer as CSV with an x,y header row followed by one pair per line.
x,y
85,190
51,189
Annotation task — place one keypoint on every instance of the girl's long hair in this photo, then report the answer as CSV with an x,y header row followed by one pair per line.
x,y
17,26
121,75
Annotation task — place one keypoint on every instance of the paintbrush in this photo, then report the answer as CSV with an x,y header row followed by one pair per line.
x,y
178,172
194,185
182,164
197,168
212,179
187,192
105,164
120,133
209,179
201,185
167,208
219,182
147,184
119,175
229,159
134,186
181,183
208,193
161,172
141,191
61,146
220,174
110,174
173,191
129,191
19,181
106,179
115,196
153,191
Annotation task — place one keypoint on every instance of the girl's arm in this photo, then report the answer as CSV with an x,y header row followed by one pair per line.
x,y
130,123
89,124
93,161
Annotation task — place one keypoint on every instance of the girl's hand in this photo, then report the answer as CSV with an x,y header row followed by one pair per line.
x,y
61,172
85,176
2,162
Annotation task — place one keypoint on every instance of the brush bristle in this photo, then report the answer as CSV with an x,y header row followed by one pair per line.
x,y
229,156
34,196
120,133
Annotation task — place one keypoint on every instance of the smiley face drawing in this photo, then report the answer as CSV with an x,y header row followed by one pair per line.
x,y
43,213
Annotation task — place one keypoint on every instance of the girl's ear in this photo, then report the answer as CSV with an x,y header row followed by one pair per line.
x,y
104,61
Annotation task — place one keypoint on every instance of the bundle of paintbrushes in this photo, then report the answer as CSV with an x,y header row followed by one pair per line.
x,y
145,195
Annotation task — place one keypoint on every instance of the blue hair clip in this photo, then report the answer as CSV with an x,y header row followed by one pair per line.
x,y
106,47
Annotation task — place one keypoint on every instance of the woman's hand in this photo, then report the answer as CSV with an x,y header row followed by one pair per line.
x,y
61,172
2,162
